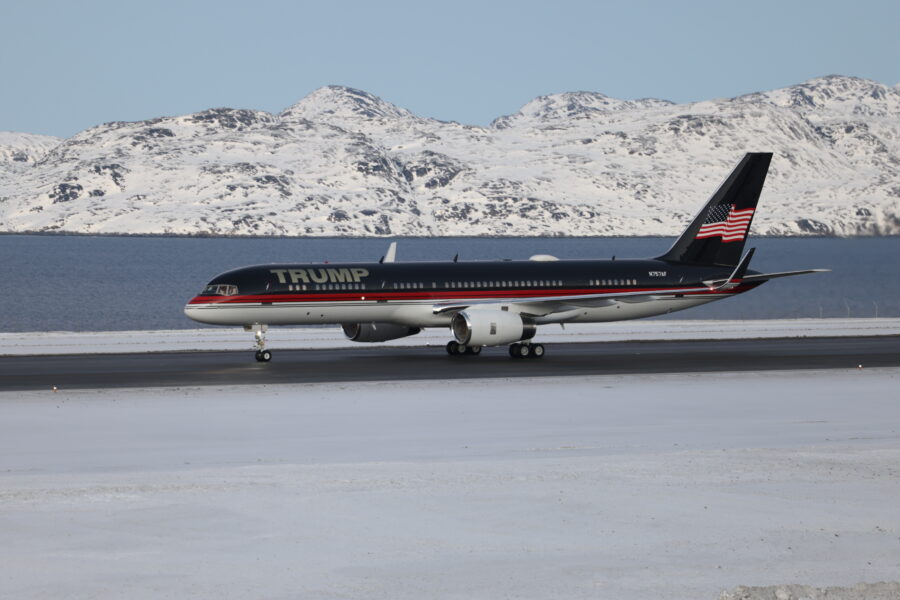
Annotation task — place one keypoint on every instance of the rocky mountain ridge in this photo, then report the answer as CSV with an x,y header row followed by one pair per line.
x,y
344,162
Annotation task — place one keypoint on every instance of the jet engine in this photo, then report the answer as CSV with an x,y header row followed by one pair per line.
x,y
377,332
490,327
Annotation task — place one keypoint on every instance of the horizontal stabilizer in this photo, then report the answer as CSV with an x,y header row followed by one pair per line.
x,y
768,276
764,277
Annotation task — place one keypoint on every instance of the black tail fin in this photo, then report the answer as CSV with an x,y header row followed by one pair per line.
x,y
717,234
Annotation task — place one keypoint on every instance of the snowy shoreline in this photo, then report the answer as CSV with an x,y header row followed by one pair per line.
x,y
320,338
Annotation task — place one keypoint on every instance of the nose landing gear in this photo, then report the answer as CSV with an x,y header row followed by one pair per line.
x,y
259,332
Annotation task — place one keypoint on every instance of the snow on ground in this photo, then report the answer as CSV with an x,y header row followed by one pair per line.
x,y
882,590
234,338
658,487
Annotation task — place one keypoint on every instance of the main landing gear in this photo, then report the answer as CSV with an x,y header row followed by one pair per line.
x,y
517,350
526,350
259,332
457,349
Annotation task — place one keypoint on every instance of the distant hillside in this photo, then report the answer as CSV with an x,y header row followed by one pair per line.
x,y
344,162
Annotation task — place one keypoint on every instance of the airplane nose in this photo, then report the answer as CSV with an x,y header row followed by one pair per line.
x,y
191,311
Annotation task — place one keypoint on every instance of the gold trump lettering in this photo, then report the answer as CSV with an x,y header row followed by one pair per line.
x,y
343,275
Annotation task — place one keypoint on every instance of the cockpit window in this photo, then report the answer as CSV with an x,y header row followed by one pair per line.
x,y
220,289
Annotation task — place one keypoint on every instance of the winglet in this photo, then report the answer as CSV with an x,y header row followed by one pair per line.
x,y
738,272
742,267
391,255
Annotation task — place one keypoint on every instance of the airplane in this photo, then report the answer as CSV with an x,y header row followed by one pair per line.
x,y
500,302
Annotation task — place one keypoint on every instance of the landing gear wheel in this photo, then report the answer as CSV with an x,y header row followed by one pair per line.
x,y
455,349
475,350
259,333
520,350
537,351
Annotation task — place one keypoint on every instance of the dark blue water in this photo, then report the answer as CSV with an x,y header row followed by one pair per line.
x,y
74,283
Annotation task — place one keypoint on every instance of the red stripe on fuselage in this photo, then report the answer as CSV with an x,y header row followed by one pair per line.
x,y
500,295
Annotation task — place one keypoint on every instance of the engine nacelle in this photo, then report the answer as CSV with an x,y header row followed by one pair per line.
x,y
490,327
377,332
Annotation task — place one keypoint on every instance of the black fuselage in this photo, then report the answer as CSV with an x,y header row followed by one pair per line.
x,y
441,280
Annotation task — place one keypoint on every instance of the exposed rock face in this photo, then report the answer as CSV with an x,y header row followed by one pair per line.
x,y
344,162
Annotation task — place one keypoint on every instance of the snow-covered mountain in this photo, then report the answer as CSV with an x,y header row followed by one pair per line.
x,y
344,162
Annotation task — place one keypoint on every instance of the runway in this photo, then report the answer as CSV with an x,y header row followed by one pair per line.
x,y
379,363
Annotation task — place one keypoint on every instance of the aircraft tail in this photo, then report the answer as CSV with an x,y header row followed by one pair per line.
x,y
717,234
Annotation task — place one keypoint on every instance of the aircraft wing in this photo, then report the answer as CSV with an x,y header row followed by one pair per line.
x,y
550,304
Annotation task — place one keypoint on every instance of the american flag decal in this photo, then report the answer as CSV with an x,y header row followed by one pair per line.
x,y
726,222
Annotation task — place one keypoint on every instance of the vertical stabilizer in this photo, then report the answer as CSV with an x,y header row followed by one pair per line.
x,y
717,234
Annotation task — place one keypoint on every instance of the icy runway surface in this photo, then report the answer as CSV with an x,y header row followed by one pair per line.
x,y
668,486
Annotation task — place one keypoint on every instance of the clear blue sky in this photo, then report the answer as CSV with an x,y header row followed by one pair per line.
x,y
66,66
